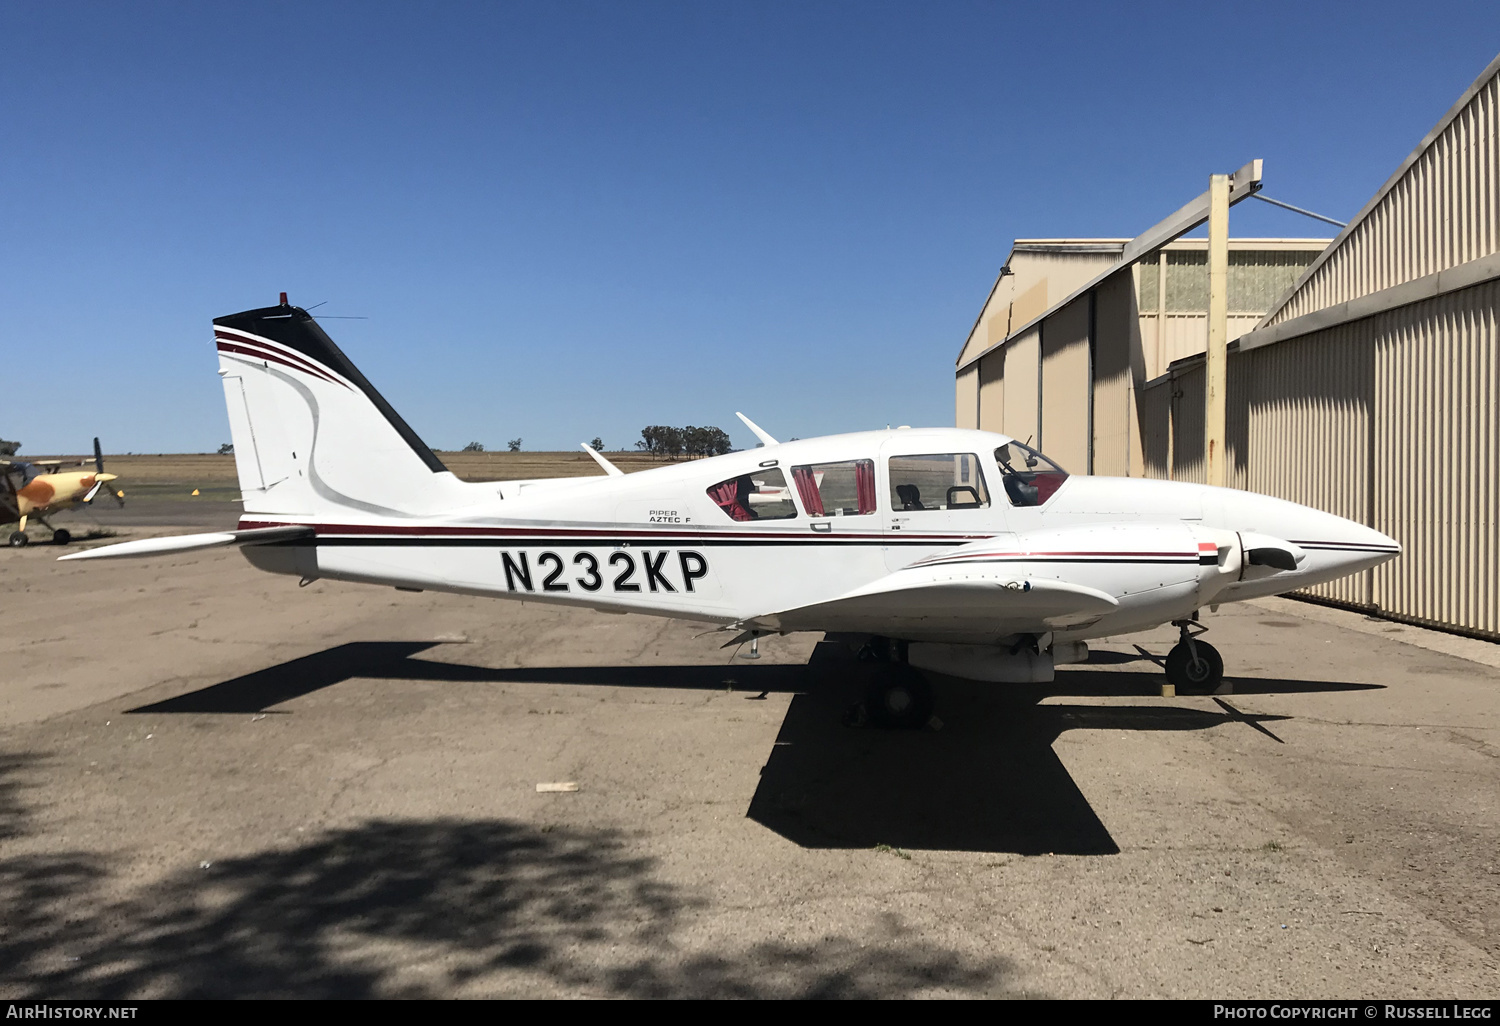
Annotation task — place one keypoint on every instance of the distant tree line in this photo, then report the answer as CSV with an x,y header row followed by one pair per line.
x,y
659,440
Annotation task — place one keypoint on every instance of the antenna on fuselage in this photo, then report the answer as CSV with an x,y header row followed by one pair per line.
x,y
609,468
767,439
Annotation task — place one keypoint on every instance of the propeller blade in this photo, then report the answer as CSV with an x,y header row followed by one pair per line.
x,y
98,458
93,491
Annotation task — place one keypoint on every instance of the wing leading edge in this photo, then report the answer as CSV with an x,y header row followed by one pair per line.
x,y
943,602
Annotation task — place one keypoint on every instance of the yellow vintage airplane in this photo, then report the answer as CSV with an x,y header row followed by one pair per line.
x,y
28,489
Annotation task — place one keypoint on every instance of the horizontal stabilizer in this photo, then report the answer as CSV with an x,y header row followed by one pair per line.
x,y
193,542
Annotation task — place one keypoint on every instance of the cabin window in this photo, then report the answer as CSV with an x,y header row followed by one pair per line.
x,y
836,489
1030,478
759,495
941,481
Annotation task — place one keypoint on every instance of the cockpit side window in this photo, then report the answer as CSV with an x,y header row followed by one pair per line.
x,y
837,489
1030,478
759,495
950,480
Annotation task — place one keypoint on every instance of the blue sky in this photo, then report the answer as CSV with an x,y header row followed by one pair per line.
x,y
562,220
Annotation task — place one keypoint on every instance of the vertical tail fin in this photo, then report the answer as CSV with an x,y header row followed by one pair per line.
x,y
311,434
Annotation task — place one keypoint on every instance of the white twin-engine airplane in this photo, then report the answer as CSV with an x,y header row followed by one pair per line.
x,y
960,552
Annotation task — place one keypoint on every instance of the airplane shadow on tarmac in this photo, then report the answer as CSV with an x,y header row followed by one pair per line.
x,y
988,780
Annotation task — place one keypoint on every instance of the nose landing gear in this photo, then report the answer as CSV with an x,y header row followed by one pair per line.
x,y
1193,666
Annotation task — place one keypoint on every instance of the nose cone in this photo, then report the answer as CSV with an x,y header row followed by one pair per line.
x,y
105,477
1332,533
1337,547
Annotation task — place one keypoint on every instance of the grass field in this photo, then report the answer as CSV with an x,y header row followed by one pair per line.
x,y
175,475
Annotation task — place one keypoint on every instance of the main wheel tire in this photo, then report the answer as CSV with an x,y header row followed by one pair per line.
x,y
1195,675
899,699
18,539
61,536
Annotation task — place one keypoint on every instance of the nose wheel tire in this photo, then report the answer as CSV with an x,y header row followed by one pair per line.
x,y
1195,672
61,536
18,539
899,699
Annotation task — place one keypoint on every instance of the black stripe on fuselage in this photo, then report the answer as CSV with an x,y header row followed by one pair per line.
x,y
1180,561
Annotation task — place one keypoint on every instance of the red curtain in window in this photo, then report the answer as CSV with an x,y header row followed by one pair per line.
x,y
1046,484
726,496
807,487
864,485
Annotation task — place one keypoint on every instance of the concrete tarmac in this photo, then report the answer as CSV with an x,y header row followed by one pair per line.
x,y
216,783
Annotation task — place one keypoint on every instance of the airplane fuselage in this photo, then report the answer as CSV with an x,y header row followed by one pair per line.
x,y
659,541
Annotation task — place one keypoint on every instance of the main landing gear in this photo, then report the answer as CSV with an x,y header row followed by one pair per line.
x,y
19,538
1193,666
897,696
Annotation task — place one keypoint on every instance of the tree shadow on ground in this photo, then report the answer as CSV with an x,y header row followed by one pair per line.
x,y
426,908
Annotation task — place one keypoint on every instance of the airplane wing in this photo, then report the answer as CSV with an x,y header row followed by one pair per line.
x,y
947,602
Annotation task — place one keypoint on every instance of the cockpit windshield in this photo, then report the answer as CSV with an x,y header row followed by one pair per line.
x,y
20,471
1030,478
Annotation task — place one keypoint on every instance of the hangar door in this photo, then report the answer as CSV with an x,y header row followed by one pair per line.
x,y
1019,404
1067,386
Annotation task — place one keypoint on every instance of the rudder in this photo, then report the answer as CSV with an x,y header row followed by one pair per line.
x,y
311,434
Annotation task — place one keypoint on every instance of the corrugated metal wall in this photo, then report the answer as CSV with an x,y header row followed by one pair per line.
x,y
1116,339
1257,278
1436,445
1154,406
1308,429
1022,365
1176,336
992,392
1066,369
1187,425
966,398
1442,212
1392,421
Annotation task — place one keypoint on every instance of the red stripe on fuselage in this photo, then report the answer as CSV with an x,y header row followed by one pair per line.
x,y
959,557
583,534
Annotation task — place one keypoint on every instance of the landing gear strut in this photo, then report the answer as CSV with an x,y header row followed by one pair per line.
x,y
897,696
1194,666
